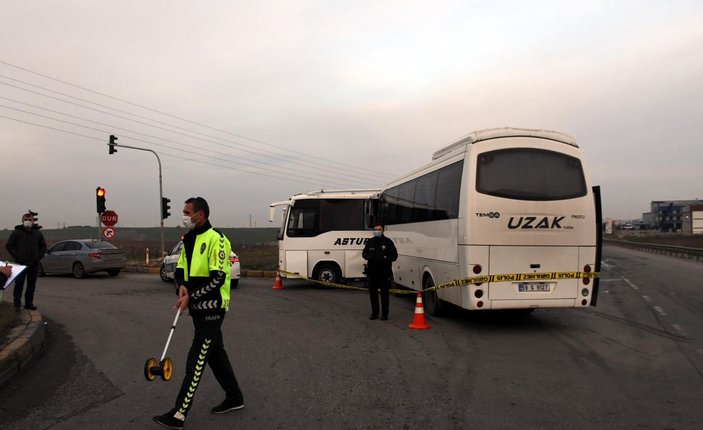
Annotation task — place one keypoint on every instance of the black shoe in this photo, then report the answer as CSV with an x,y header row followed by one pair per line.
x,y
228,405
373,317
170,420
31,307
384,317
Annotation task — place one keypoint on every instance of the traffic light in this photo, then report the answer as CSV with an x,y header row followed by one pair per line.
x,y
112,144
165,208
100,199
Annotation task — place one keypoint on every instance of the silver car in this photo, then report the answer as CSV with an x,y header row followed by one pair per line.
x,y
81,256
168,267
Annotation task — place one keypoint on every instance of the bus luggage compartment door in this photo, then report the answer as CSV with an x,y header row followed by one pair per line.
x,y
506,260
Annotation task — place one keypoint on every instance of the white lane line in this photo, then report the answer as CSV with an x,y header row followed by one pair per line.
x,y
680,330
633,286
647,299
660,311
609,280
606,265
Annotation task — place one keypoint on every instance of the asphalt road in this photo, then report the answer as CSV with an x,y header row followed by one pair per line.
x,y
310,358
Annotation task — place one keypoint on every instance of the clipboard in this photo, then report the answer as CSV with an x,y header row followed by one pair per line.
x,y
16,270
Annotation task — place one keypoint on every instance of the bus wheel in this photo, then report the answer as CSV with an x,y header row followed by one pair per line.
x,y
327,272
433,304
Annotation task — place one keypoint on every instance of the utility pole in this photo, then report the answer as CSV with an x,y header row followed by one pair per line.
x,y
113,145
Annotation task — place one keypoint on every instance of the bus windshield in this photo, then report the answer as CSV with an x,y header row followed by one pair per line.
x,y
530,174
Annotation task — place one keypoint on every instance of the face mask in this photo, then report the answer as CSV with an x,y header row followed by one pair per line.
x,y
188,223
27,224
378,233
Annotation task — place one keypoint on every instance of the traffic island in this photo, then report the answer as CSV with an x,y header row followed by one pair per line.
x,y
21,343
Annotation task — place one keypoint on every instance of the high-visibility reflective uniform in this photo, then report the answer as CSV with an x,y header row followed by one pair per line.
x,y
204,268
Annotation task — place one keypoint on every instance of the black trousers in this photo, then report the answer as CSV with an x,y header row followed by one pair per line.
x,y
30,274
376,284
207,348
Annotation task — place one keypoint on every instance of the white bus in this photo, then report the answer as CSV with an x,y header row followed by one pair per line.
x,y
498,201
324,232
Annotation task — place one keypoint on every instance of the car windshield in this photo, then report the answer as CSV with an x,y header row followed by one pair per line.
x,y
99,244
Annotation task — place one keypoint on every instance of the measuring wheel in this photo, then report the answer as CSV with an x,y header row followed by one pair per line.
x,y
163,369
166,369
148,369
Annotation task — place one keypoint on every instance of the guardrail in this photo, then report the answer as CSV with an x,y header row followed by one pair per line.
x,y
675,251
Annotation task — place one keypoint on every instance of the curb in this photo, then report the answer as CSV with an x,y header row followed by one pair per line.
x,y
24,341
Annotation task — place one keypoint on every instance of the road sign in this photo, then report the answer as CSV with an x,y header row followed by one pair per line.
x,y
109,233
109,218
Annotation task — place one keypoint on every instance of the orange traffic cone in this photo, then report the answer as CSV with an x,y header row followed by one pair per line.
x,y
419,322
278,285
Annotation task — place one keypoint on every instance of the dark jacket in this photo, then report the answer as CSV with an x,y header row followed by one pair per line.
x,y
27,247
380,253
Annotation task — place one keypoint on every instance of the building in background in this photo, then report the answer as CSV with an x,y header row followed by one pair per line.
x,y
693,220
671,215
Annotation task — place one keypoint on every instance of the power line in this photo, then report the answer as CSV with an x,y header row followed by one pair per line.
x,y
228,167
112,126
305,162
181,119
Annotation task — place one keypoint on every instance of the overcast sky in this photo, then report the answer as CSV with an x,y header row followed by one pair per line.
x,y
250,102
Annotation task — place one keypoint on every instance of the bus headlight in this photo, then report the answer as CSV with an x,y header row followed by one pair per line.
x,y
478,293
585,292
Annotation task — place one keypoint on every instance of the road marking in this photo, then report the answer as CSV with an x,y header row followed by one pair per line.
x,y
661,311
680,331
609,280
633,286
700,351
647,299
606,265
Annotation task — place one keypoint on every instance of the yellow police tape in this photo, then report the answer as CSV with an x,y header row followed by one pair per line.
x,y
545,276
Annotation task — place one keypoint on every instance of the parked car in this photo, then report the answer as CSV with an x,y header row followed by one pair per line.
x,y
81,256
168,267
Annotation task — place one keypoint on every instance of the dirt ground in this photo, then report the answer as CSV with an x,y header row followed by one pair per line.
x,y
8,317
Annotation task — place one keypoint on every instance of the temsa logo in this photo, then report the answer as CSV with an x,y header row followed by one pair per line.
x,y
529,222
488,214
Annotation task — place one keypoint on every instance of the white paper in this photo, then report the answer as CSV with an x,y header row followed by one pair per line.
x,y
16,270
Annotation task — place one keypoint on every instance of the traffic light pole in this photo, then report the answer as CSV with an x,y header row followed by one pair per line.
x,y
161,188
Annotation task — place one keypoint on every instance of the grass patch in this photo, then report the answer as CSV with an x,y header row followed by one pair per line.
x,y
258,257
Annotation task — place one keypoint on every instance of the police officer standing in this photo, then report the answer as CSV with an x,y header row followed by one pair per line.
x,y
27,246
380,253
203,276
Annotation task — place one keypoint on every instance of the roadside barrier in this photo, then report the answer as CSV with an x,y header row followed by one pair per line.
x,y
473,280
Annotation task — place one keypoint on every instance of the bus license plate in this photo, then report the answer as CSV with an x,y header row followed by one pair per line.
x,y
529,287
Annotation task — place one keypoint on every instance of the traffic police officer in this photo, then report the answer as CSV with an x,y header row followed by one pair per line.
x,y
203,276
380,253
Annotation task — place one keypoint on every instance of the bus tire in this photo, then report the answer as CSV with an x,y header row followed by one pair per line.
x,y
327,272
433,304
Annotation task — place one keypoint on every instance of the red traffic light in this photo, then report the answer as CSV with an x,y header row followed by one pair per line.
x,y
100,199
